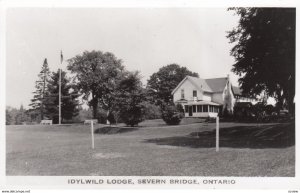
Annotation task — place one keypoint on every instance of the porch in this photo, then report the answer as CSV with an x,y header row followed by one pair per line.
x,y
201,109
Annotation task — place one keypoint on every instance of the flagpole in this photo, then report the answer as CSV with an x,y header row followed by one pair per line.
x,y
59,92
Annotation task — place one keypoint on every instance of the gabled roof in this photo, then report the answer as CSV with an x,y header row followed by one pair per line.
x,y
217,84
207,85
200,83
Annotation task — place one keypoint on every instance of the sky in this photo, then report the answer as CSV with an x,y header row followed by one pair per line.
x,y
146,39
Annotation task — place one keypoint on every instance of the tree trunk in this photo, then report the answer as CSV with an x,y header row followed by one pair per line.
x,y
42,112
95,107
279,99
107,121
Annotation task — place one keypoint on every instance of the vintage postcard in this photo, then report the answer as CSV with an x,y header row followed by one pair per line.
x,y
148,95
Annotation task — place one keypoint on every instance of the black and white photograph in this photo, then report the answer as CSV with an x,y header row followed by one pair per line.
x,y
150,92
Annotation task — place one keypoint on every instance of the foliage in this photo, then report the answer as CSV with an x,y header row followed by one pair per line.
x,y
172,114
102,116
270,109
97,75
16,116
21,116
83,114
264,52
260,112
129,100
162,83
8,117
37,103
152,111
69,95
111,118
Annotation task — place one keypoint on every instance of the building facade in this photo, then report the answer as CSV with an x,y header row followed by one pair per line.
x,y
206,97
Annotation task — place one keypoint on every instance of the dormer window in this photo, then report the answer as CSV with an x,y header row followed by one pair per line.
x,y
182,93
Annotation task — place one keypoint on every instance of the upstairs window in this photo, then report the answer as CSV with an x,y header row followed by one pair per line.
x,y
182,93
194,93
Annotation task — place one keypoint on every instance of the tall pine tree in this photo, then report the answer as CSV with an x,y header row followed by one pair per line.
x,y
37,103
69,98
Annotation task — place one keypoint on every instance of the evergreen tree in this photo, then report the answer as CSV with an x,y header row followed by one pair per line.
x,y
8,117
37,103
69,95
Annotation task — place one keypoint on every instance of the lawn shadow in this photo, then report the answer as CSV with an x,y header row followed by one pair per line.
x,y
114,130
256,137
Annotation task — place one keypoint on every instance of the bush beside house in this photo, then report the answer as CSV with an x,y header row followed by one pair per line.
x,y
172,114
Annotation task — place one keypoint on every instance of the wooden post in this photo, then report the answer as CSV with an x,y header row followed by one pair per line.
x,y
217,134
92,131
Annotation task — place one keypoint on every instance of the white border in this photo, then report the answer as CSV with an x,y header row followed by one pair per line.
x,y
288,183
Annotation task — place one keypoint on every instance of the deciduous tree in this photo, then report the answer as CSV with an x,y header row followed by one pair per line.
x,y
129,99
264,52
97,75
161,84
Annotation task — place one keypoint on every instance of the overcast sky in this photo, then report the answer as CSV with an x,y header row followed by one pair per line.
x,y
145,39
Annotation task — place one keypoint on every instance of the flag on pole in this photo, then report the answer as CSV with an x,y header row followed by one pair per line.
x,y
61,57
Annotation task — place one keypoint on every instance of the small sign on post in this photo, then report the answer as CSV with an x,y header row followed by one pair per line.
x,y
92,131
217,134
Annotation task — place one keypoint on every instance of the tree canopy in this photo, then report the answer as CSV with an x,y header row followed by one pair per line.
x,y
264,52
69,95
161,84
129,99
37,103
97,75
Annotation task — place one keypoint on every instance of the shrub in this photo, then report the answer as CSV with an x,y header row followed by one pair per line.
x,y
111,118
102,116
132,115
270,109
171,114
152,111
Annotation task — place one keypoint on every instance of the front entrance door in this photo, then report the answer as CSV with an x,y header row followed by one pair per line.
x,y
190,111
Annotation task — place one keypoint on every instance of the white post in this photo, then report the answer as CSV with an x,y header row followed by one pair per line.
x,y
59,98
92,131
217,134
59,89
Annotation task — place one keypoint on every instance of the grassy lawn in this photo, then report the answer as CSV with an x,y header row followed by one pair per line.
x,y
152,149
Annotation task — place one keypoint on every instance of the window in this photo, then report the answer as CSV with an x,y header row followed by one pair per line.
x,y
211,108
199,108
194,93
186,108
194,108
205,108
182,93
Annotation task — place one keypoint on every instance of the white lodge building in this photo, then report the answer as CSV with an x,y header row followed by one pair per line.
x,y
205,97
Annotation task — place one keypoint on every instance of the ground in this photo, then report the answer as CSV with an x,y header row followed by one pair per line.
x,y
153,149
